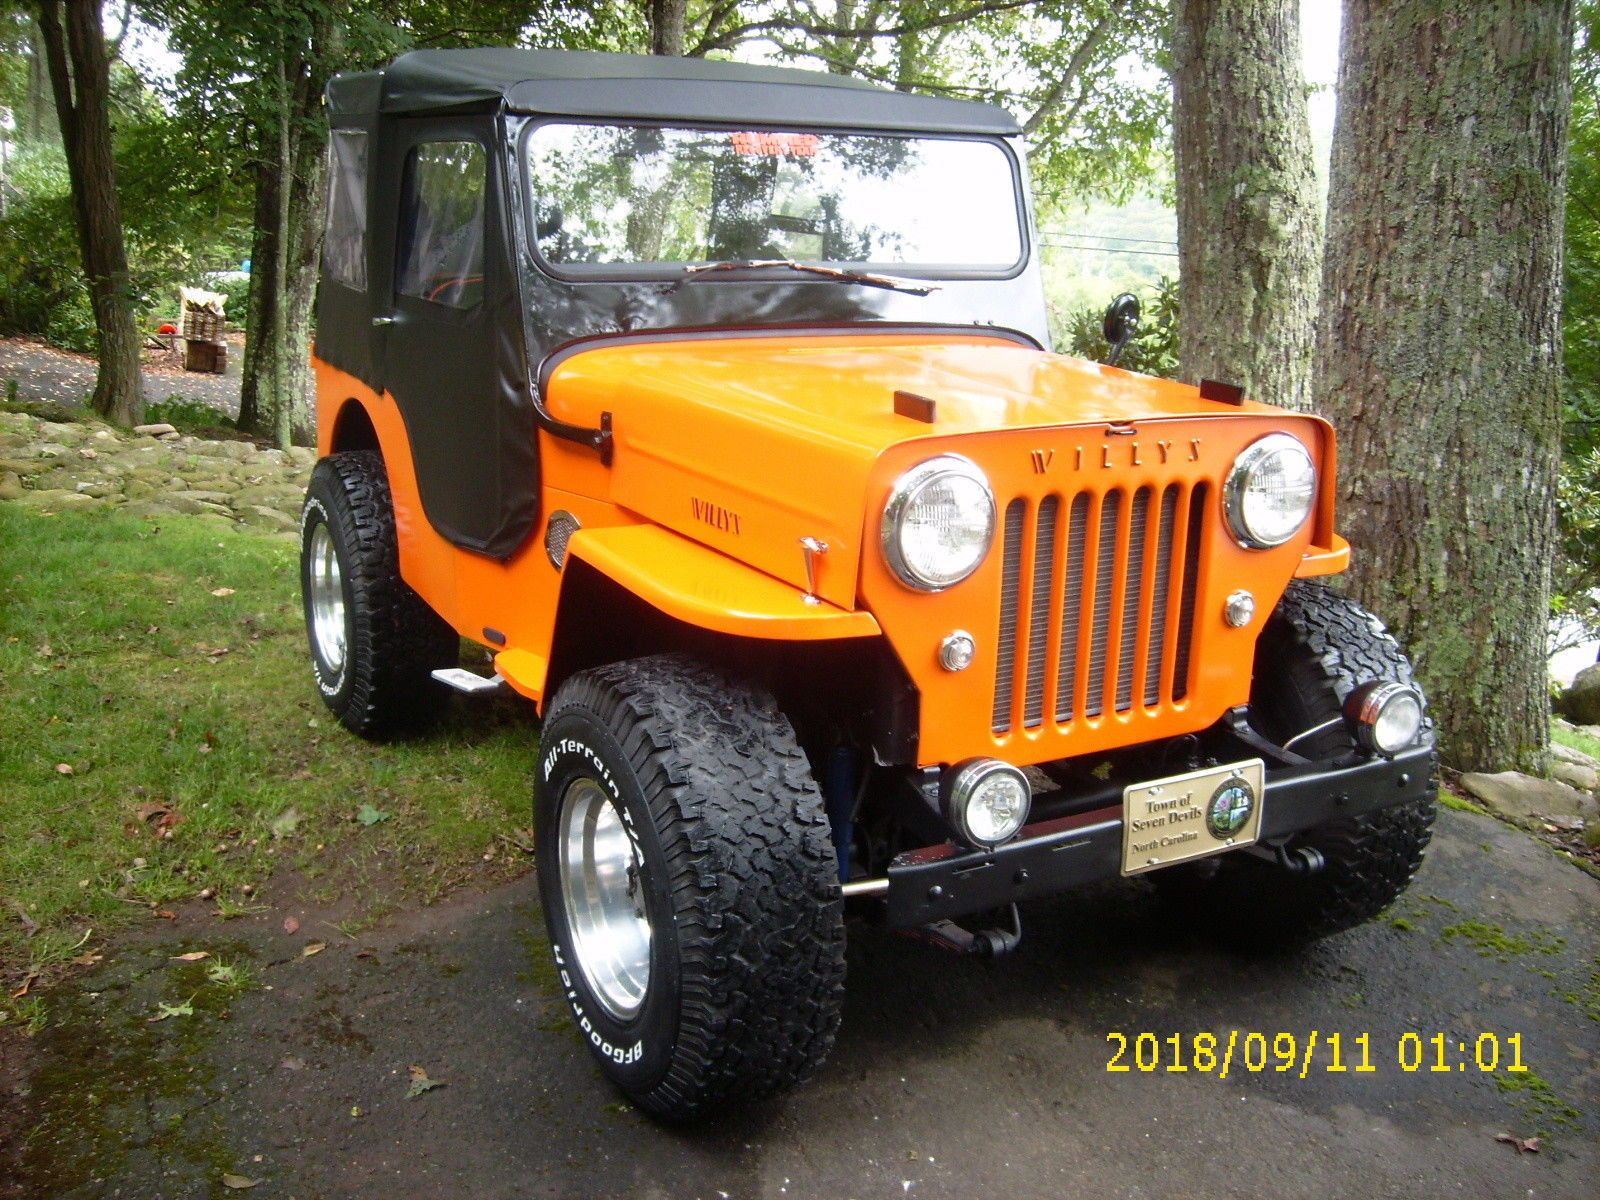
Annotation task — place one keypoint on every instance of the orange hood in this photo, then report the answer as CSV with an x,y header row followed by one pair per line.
x,y
749,444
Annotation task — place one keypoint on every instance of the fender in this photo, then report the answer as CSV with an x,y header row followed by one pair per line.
x,y
705,588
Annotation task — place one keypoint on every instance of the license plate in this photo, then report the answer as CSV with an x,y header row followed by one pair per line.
x,y
1205,812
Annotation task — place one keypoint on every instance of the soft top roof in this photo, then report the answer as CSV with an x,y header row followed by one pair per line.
x,y
587,84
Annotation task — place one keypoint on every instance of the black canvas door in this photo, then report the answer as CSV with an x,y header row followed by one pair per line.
x,y
448,360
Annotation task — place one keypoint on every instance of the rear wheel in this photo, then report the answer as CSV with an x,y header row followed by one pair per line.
x,y
689,884
1316,648
374,642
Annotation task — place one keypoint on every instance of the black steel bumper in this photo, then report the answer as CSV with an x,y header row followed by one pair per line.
x,y
1052,856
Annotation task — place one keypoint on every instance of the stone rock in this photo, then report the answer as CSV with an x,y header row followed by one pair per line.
x,y
267,518
52,450
56,500
273,455
1579,775
1568,755
1580,703
302,456
99,489
10,485
70,435
1513,794
23,466
155,430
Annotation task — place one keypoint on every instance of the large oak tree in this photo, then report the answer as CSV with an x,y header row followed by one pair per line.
x,y
1249,226
1439,356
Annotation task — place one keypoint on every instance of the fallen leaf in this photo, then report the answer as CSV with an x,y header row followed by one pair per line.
x,y
161,817
238,1182
313,948
27,982
63,768
222,591
166,914
365,954
1523,1145
421,1083
291,925
368,815
285,823
192,956
163,1011
88,959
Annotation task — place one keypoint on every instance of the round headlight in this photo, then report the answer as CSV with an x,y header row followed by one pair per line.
x,y
938,523
1385,717
986,801
1270,491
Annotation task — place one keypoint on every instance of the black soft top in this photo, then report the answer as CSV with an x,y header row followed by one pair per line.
x,y
587,84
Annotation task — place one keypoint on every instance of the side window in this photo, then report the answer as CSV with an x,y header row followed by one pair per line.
x,y
441,224
344,247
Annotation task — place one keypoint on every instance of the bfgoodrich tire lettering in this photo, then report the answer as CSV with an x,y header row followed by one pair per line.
x,y
738,880
1316,648
392,640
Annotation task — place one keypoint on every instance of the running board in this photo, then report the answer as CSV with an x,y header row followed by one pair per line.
x,y
466,682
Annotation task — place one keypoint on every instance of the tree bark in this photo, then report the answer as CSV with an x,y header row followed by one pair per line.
x,y
35,125
668,22
1249,230
290,201
1439,357
75,48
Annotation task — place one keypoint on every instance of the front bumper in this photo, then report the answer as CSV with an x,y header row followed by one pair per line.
x,y
948,881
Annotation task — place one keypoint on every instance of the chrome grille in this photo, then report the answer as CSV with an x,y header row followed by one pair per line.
x,y
1123,571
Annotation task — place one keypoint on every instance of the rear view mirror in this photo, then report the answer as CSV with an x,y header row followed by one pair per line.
x,y
1121,324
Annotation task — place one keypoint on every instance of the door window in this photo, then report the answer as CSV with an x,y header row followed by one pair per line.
x,y
441,224
344,246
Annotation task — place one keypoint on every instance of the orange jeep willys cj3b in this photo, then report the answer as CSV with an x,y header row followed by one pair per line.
x,y
716,402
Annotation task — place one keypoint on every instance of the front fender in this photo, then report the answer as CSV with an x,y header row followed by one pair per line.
x,y
706,589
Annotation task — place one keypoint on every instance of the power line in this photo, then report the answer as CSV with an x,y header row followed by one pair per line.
x,y
1112,250
1104,237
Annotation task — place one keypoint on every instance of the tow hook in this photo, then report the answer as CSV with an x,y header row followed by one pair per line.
x,y
983,943
1298,860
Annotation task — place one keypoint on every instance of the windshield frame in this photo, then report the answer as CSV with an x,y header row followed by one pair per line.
x,y
671,271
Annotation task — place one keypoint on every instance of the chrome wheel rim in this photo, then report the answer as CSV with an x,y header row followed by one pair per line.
x,y
327,599
602,890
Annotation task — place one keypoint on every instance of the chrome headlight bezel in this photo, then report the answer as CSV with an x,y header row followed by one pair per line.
x,y
1236,490
901,498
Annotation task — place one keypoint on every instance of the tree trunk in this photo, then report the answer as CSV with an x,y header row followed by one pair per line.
x,y
1440,355
1249,231
285,243
80,78
668,19
34,127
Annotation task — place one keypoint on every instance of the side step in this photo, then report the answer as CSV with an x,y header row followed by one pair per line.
x,y
464,681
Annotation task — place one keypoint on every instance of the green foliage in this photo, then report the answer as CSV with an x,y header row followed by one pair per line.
x,y
1154,351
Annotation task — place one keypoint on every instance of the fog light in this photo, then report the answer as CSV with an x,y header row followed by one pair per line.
x,y
1385,717
957,650
986,801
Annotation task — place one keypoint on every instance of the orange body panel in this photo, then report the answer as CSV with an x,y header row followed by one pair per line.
x,y
728,451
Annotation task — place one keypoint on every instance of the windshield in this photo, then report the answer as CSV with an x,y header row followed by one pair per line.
x,y
642,195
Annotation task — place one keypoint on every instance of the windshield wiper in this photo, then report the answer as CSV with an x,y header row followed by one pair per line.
x,y
866,278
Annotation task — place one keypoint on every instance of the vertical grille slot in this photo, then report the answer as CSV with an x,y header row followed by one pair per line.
x,y
1044,581
1132,598
1072,607
1160,593
1005,670
1104,577
1193,548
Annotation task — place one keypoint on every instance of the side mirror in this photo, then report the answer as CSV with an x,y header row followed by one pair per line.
x,y
1121,323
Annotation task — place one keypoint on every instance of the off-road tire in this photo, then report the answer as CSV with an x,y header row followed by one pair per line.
x,y
1316,648
740,881
393,640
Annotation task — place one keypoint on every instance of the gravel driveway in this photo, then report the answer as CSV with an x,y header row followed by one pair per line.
x,y
45,373
951,1078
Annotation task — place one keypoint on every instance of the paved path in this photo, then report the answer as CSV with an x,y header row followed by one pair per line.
x,y
46,373
951,1078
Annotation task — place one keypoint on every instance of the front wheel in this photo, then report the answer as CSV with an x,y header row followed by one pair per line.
x,y
1316,648
689,884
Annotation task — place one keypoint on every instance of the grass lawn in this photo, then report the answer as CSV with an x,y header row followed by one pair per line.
x,y
161,741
